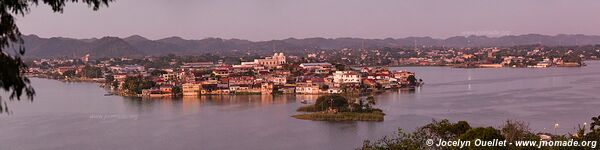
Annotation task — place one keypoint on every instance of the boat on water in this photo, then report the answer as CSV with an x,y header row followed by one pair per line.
x,y
108,94
304,101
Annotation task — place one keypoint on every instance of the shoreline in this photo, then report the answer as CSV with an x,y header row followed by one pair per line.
x,y
454,65
476,67
258,94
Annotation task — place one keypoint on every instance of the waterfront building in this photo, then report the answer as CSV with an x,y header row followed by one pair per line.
x,y
246,89
266,88
191,89
223,88
402,76
154,93
307,88
208,88
490,65
166,88
236,88
287,89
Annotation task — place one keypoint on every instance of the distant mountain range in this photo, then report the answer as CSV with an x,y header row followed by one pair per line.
x,y
132,46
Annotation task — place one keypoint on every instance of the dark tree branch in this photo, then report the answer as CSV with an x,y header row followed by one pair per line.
x,y
12,68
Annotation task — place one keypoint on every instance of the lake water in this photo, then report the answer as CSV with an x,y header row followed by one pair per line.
x,y
77,116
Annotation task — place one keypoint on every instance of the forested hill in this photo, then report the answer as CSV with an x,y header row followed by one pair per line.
x,y
136,45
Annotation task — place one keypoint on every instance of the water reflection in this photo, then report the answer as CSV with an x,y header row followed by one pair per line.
x,y
193,104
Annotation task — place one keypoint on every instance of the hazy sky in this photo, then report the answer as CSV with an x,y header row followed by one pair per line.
x,y
279,19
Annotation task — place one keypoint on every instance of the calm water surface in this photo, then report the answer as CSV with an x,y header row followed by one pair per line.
x,y
77,116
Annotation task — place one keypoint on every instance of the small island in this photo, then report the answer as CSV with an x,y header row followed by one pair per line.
x,y
337,107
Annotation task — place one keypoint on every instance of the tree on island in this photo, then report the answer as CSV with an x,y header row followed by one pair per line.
x,y
412,81
370,102
340,103
12,66
336,107
334,101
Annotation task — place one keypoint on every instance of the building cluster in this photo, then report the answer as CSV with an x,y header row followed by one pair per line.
x,y
460,57
270,75
495,57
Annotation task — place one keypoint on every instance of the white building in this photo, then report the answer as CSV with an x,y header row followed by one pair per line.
x,y
315,65
127,68
85,58
276,60
346,77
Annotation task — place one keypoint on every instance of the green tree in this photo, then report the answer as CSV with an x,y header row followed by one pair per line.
x,y
131,86
158,72
324,87
115,84
70,73
334,101
516,130
594,134
109,78
412,81
460,127
12,67
446,130
91,72
370,102
400,141
512,130
484,134
595,122
248,73
340,67
134,85
176,90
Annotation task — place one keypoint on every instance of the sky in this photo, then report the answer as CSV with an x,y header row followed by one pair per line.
x,y
260,20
